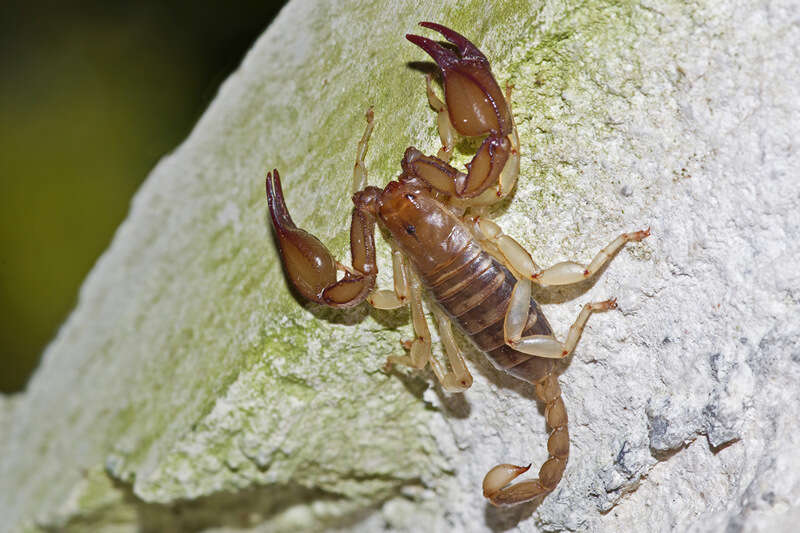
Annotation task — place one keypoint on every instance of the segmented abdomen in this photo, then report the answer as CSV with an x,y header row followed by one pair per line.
x,y
474,289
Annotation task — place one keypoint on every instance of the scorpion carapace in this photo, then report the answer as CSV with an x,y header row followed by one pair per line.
x,y
442,245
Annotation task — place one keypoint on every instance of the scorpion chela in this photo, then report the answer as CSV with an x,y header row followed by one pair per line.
x,y
442,244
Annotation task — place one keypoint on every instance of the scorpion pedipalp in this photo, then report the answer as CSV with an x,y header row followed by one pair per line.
x,y
474,100
475,106
309,264
465,47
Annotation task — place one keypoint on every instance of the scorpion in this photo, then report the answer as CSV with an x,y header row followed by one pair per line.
x,y
443,245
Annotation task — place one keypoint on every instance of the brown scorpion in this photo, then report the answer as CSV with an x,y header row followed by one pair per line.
x,y
476,276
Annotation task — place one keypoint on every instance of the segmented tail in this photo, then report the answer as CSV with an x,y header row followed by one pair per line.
x,y
496,483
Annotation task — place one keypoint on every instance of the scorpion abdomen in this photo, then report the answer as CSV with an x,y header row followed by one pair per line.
x,y
474,289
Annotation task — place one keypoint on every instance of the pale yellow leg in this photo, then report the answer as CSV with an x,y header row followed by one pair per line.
x,y
379,298
543,345
360,169
564,273
458,379
526,270
446,131
420,346
508,177
392,299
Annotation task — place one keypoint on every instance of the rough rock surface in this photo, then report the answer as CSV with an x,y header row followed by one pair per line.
x,y
189,389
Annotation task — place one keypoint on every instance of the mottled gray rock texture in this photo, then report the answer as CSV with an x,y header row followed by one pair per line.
x,y
190,390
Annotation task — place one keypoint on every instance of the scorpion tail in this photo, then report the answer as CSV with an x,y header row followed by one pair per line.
x,y
496,483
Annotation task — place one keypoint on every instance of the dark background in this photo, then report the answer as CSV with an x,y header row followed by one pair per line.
x,y
92,94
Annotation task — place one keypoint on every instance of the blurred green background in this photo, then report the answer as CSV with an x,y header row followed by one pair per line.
x,y
92,94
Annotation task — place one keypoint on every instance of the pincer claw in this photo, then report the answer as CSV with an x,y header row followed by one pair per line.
x,y
475,106
308,263
475,102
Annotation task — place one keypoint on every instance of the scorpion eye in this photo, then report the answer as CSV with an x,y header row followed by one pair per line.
x,y
410,196
411,230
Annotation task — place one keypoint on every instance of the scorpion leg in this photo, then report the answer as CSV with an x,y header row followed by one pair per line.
x,y
407,287
476,107
360,169
508,177
543,345
446,131
458,379
392,299
380,298
564,273
420,346
520,261
568,272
